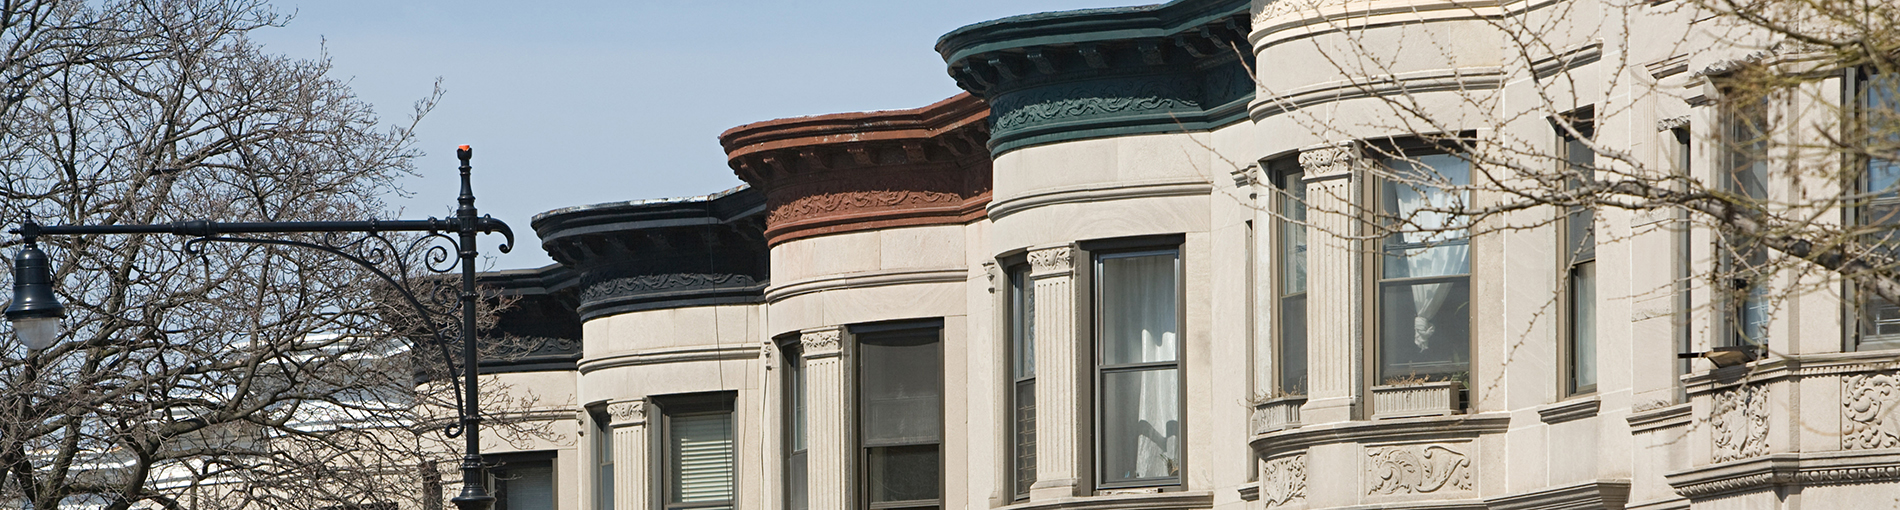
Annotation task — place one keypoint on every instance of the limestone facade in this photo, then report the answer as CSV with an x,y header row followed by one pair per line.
x,y
1145,152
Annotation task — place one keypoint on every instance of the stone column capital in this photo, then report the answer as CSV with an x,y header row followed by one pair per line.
x,y
1053,261
627,413
822,342
1330,161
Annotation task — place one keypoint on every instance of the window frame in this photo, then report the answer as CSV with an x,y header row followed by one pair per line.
x,y
794,423
503,463
1285,173
1020,325
1571,258
1739,290
1859,314
861,452
1381,154
603,448
1095,252
692,405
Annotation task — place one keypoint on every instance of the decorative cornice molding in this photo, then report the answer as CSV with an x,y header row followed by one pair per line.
x,y
1055,77
1592,494
867,280
1466,79
1664,417
1770,471
1098,193
669,356
849,172
822,343
1424,429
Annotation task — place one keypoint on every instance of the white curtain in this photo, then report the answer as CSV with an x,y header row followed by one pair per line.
x,y
1432,243
1142,406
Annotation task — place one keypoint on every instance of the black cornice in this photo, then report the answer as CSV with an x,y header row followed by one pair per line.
x,y
1180,66
668,253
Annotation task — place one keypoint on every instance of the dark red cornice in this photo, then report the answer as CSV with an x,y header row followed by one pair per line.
x,y
847,172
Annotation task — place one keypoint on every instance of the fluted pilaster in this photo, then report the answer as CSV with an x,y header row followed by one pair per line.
x,y
1335,326
628,421
828,423
1058,469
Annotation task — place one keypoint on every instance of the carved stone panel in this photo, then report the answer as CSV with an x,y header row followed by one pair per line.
x,y
1058,260
1867,404
1283,480
821,343
1738,423
1417,469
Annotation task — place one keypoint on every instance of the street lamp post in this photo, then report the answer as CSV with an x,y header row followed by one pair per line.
x,y
35,311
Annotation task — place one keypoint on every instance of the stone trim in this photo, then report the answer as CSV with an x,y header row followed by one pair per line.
x,y
1676,503
865,280
1185,500
1569,410
1779,469
1433,428
1097,193
665,356
1457,79
1583,496
1672,416
825,342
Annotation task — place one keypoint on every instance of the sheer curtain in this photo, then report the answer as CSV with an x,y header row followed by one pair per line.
x,y
1141,401
1433,243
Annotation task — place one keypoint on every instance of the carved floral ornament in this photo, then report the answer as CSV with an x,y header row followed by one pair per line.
x,y
1867,406
820,342
1416,468
627,412
1283,480
1739,423
1329,161
1058,259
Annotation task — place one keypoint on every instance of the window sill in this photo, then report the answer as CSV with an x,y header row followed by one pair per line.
x,y
1569,410
1184,500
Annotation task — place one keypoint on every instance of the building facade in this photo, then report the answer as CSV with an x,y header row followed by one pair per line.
x,y
1116,274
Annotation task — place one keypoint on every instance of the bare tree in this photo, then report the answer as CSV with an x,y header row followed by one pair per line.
x,y
1563,110
211,375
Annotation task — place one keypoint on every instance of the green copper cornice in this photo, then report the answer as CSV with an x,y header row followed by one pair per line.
x,y
1053,77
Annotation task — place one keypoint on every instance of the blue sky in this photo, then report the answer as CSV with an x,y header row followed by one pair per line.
x,y
571,103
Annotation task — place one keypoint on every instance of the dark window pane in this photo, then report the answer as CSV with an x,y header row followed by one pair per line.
x,y
1430,239
1293,236
1138,309
1293,345
902,473
902,388
1424,329
1022,318
796,482
525,486
1583,329
1141,425
1025,436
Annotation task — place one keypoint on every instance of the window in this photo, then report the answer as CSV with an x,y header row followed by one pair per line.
x,y
1290,259
524,484
1879,95
900,399
1022,354
1746,138
1138,368
797,487
1684,266
1579,267
603,446
1424,285
697,457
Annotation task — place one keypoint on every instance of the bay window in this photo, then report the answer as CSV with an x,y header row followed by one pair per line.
x,y
1879,211
1290,260
796,479
1138,368
1746,138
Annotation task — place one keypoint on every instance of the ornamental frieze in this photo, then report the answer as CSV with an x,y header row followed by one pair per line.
x,y
1089,100
1867,404
826,204
1416,469
1738,423
622,287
